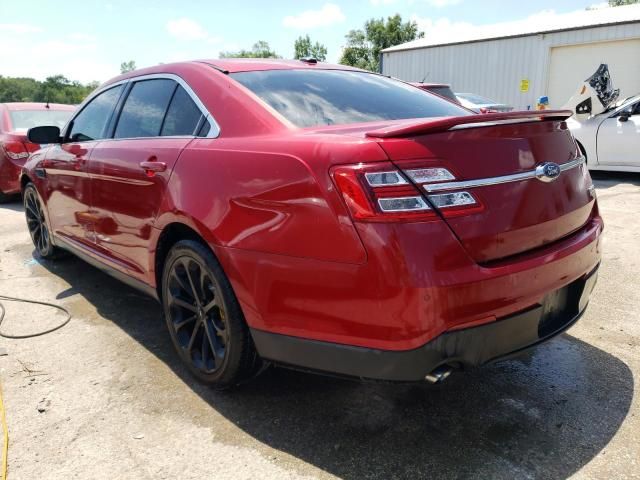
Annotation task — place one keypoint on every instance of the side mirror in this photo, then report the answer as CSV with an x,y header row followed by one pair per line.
x,y
624,116
45,134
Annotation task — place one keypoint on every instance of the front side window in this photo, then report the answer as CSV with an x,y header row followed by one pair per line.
x,y
91,122
183,115
145,108
309,98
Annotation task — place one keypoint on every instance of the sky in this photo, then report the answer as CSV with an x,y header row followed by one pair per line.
x,y
86,40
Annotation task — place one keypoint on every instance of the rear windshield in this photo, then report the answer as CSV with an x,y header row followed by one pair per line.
x,y
25,119
309,98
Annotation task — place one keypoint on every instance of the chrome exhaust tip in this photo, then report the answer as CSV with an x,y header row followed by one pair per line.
x,y
439,374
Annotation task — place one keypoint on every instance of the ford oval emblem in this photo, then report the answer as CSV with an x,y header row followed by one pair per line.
x,y
548,171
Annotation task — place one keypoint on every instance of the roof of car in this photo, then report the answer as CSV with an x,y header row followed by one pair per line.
x,y
37,105
233,65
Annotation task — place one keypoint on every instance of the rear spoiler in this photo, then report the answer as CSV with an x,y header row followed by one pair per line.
x,y
442,124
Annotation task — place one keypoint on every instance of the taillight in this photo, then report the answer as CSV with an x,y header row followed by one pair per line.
x,y
381,192
450,203
14,150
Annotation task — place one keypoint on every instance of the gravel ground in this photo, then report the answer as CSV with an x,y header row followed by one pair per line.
x,y
105,397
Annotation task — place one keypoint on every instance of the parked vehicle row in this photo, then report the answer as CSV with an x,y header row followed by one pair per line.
x,y
322,217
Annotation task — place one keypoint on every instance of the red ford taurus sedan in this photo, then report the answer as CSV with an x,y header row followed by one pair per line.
x,y
321,217
15,120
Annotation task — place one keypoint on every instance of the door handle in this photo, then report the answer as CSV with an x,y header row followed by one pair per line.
x,y
152,167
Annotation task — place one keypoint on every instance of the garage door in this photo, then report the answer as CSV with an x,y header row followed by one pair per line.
x,y
572,64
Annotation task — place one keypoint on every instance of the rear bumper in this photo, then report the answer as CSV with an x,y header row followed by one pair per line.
x,y
467,347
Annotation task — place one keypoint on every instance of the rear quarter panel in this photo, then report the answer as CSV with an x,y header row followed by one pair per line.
x,y
268,194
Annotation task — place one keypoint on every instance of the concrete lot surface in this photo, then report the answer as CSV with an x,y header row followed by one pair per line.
x,y
106,398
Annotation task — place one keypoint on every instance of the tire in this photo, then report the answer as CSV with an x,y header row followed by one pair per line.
x,y
204,319
37,224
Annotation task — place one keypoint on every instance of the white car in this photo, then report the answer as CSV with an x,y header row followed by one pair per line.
x,y
611,140
607,132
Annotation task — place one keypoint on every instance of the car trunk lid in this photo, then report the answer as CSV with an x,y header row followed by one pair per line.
x,y
522,168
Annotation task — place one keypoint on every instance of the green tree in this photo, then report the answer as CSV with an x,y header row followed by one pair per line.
x,y
128,66
363,46
618,3
55,89
260,49
304,48
17,89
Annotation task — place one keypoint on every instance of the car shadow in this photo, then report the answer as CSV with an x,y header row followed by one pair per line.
x,y
544,416
14,204
603,180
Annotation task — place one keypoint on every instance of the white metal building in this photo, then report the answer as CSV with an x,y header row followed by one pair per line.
x,y
518,62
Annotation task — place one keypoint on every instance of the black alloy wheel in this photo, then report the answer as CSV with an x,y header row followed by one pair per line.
x,y
204,319
37,224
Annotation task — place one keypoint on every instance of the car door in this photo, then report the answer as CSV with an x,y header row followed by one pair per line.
x,y
618,141
129,172
67,187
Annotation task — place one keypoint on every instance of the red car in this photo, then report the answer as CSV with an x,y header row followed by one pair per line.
x,y
321,217
15,120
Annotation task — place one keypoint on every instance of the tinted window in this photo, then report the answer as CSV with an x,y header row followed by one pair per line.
x,y
183,115
144,109
25,119
91,122
326,97
205,128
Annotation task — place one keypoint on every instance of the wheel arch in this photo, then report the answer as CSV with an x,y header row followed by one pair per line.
x,y
24,180
583,150
170,234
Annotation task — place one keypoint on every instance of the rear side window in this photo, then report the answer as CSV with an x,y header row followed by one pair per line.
x,y
91,122
183,115
204,129
144,109
309,98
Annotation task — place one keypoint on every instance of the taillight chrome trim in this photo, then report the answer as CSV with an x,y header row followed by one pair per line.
x,y
371,175
429,174
423,205
466,197
484,182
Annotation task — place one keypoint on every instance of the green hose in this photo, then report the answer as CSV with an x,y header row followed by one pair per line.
x,y
23,300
